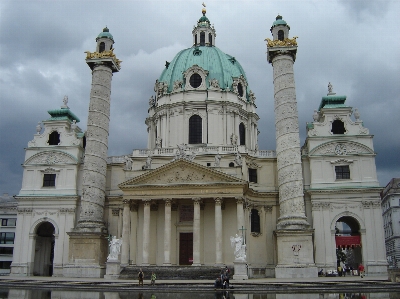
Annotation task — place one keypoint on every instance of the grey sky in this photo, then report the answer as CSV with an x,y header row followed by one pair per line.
x,y
354,44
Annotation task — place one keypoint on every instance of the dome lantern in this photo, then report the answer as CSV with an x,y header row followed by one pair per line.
x,y
280,29
104,41
204,32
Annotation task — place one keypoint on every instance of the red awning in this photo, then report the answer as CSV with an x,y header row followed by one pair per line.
x,y
347,241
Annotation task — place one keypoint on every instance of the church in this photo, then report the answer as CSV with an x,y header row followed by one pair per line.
x,y
202,180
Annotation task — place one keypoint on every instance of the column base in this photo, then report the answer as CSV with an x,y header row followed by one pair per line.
x,y
240,270
87,254
113,269
295,254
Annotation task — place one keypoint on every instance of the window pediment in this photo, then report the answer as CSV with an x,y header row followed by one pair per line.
x,y
195,78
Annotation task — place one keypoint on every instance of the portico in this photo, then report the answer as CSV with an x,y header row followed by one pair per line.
x,y
171,201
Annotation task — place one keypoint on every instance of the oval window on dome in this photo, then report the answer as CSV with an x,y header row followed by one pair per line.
x,y
240,89
195,80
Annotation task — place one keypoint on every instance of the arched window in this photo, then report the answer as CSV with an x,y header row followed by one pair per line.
x,y
102,47
240,89
195,39
255,221
202,39
54,138
338,127
281,35
195,130
210,39
242,134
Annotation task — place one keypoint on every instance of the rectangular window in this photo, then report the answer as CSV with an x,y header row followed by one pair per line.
x,y
252,175
342,172
9,222
49,180
7,250
7,238
5,265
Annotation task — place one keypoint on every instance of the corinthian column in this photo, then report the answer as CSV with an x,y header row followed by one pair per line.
x,y
196,232
146,232
167,232
218,231
125,233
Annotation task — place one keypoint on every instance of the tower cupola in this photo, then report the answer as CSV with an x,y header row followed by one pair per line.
x,y
280,29
104,41
204,32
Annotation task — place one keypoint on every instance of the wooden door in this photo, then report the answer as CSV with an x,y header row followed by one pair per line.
x,y
185,248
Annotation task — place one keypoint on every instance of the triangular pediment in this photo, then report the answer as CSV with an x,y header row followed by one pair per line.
x,y
182,172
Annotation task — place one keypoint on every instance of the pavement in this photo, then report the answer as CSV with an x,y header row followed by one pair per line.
x,y
319,284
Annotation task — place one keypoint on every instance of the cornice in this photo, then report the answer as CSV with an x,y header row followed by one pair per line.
x,y
342,190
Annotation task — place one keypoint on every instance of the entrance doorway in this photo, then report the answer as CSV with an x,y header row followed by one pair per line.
x,y
185,248
348,242
44,250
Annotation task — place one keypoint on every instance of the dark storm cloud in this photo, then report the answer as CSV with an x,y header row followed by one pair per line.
x,y
352,44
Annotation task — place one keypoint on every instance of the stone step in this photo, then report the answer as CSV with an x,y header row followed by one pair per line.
x,y
174,272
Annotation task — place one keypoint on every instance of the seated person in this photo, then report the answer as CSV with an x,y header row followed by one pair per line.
x,y
218,283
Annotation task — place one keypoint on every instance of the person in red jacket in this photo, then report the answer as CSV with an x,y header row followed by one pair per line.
x,y
361,270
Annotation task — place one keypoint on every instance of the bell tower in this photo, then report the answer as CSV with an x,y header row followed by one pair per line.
x,y
88,240
294,236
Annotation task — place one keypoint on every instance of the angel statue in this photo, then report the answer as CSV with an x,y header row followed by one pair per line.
x,y
239,247
115,248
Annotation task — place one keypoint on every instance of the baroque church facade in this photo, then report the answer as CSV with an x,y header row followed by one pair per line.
x,y
202,178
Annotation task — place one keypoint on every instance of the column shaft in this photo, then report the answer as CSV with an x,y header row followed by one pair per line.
x,y
146,232
239,212
125,234
167,232
196,232
218,231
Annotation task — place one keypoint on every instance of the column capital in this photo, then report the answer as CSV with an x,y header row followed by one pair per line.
x,y
126,201
197,200
240,199
146,202
218,200
168,202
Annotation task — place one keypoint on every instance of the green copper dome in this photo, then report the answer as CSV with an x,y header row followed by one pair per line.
x,y
105,34
219,65
279,21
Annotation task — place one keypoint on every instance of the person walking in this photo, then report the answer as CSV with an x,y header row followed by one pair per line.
x,y
153,278
140,277
361,270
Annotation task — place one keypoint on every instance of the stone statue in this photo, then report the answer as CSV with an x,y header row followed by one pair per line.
x,y
214,83
38,128
234,139
73,126
217,160
330,88
158,142
238,159
115,248
239,247
152,101
356,114
65,101
128,163
252,97
148,163
315,115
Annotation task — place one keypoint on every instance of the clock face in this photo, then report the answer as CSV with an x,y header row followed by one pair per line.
x,y
340,149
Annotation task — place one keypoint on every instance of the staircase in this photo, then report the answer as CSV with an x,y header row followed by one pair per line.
x,y
174,272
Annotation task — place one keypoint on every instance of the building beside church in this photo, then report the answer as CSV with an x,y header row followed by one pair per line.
x,y
202,178
391,221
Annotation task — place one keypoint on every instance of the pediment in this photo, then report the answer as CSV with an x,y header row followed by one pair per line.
x,y
341,149
182,172
50,158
